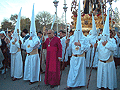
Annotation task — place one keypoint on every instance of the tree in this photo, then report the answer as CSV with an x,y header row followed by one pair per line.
x,y
25,23
6,24
44,18
13,18
38,26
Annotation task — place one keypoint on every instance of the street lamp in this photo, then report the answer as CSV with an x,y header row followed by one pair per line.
x,y
65,9
56,4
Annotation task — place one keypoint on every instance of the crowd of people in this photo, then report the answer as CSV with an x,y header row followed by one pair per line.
x,y
25,52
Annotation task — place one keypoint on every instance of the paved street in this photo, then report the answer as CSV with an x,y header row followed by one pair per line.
x,y
8,84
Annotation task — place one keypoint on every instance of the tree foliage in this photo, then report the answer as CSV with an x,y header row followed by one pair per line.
x,y
6,24
44,18
13,18
25,23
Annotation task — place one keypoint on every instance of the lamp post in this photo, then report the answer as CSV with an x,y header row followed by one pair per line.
x,y
56,4
65,9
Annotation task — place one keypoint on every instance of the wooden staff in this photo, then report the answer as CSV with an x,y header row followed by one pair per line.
x,y
90,56
91,67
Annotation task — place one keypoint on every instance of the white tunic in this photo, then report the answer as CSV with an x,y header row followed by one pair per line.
x,y
117,53
32,62
88,53
63,49
92,41
106,75
16,59
77,72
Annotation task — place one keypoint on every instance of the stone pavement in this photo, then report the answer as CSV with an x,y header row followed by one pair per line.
x,y
8,84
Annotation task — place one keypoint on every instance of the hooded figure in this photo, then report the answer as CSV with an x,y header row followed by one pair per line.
x,y
16,35
32,62
15,50
94,30
92,40
117,52
106,32
106,74
33,34
1,54
78,34
77,72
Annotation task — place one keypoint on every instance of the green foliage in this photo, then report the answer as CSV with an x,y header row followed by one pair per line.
x,y
44,18
25,23
13,18
6,24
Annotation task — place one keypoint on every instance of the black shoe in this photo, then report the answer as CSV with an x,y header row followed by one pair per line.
x,y
52,86
31,83
14,79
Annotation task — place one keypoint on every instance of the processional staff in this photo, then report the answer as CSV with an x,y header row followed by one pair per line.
x,y
91,67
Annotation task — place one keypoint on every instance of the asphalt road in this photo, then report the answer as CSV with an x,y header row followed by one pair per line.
x,y
8,84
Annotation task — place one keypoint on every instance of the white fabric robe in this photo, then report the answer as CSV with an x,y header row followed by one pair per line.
x,y
88,53
92,41
32,62
16,59
63,49
117,52
106,74
77,72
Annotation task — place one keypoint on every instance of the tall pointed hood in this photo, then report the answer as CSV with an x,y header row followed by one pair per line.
x,y
78,32
106,33
94,30
17,30
32,26
53,21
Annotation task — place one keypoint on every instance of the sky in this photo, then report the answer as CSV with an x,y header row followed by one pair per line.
x,y
8,7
